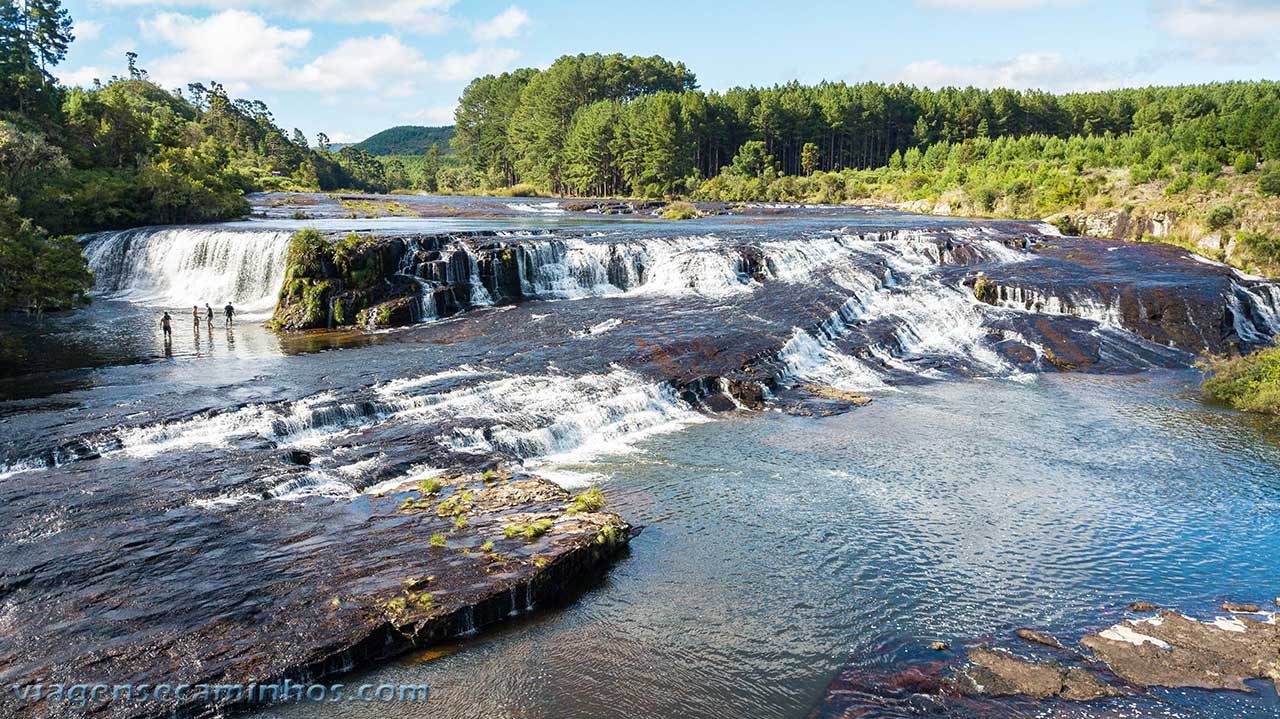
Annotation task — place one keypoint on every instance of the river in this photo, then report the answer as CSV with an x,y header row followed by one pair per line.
x,y
151,525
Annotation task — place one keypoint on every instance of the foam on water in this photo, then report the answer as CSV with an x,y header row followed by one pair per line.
x,y
185,266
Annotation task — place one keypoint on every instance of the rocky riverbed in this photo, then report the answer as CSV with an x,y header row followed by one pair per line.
x,y
204,512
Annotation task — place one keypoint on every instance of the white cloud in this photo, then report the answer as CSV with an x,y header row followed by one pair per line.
x,y
1040,70
344,138
117,50
234,47
388,65
1224,30
503,26
438,115
364,62
83,76
996,4
425,16
465,66
87,29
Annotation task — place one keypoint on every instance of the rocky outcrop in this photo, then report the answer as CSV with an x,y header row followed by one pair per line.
x,y
1174,650
1118,224
613,207
332,283
1167,650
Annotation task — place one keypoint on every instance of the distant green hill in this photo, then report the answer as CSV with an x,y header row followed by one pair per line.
x,y
407,140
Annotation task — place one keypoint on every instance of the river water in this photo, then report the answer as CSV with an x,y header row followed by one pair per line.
x,y
780,550
976,495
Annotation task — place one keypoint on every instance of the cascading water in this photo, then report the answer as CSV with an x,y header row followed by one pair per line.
x,y
185,266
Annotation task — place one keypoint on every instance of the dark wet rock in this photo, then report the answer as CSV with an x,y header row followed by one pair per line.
x,y
879,692
1238,608
339,591
992,672
393,313
1173,650
1037,637
1144,607
299,457
939,646
613,207
1154,290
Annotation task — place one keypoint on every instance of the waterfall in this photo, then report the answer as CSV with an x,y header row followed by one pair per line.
x,y
467,622
185,266
1085,307
424,304
1255,314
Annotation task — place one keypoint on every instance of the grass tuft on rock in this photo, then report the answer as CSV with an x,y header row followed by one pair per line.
x,y
592,500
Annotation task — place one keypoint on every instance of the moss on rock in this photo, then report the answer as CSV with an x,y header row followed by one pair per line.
x,y
342,283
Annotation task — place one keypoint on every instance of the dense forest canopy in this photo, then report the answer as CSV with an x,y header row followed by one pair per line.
x,y
407,140
593,124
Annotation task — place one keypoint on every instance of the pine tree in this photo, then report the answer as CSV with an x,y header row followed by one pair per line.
x,y
48,31
809,158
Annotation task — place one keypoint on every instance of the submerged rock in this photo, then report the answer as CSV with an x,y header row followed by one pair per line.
x,y
999,673
1036,637
1144,607
1173,650
856,399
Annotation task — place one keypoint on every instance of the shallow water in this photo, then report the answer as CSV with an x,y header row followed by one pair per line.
x,y
779,550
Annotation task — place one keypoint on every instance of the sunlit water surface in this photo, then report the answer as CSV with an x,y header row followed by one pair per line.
x,y
780,550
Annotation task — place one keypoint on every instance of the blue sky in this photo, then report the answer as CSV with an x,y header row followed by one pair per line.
x,y
350,68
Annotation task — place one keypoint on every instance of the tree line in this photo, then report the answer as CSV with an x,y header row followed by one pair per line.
x,y
611,124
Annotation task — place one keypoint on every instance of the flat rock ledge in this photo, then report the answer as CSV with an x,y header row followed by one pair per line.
x,y
439,559
1174,650
999,673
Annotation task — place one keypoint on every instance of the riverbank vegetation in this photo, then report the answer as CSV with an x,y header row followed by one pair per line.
x,y
1250,383
1196,165
123,154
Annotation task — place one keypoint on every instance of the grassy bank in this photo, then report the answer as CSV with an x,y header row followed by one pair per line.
x,y
1250,383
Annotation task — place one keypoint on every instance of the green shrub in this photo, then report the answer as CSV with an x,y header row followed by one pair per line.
x,y
1250,383
1261,246
1269,183
1245,162
437,540
1219,217
531,530
678,211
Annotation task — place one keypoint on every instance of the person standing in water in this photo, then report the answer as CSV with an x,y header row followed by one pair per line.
x,y
195,314
209,312
230,311
168,330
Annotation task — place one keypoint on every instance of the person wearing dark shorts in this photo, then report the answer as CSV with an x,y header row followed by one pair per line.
x,y
230,312
164,325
